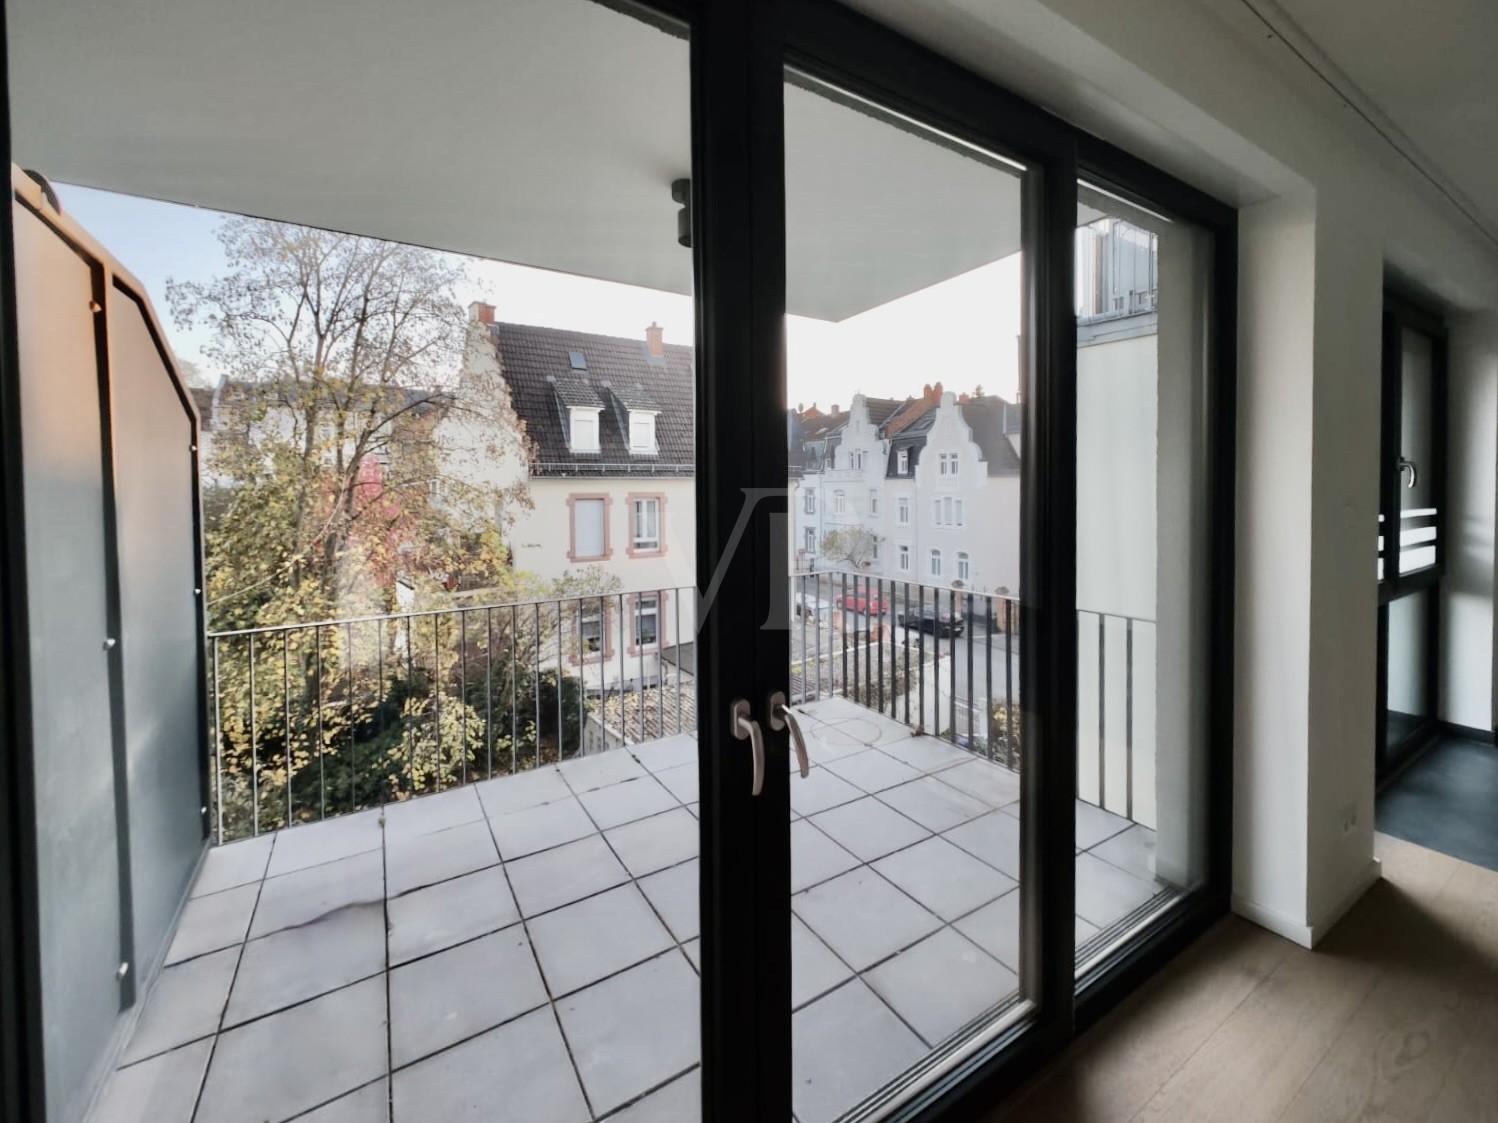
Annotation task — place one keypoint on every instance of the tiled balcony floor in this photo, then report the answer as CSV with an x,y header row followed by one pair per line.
x,y
526,948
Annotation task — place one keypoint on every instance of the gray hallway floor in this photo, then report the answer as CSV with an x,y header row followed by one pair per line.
x,y
1448,801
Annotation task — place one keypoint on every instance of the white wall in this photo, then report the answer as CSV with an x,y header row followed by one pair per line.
x,y
1467,666
1277,263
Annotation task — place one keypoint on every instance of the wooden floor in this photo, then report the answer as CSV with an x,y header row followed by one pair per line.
x,y
1393,1017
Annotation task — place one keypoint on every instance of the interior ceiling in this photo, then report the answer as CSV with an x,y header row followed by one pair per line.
x,y
1428,67
542,132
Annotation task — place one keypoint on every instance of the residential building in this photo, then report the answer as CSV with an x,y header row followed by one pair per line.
x,y
932,482
609,464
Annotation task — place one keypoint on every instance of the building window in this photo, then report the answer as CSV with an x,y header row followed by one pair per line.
x,y
584,430
811,541
645,525
958,505
935,563
839,503
810,505
947,462
590,528
902,462
873,502
590,627
936,512
905,559
647,621
964,567
641,432
903,511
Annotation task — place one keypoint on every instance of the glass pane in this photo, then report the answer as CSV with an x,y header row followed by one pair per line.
x,y
904,390
450,523
1142,334
1417,466
1407,706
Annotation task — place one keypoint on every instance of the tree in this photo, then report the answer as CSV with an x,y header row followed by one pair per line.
x,y
351,451
855,545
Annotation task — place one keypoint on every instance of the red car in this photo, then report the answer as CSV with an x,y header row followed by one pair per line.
x,y
868,603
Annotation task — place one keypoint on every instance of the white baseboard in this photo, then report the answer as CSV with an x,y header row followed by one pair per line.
x,y
1274,920
1298,931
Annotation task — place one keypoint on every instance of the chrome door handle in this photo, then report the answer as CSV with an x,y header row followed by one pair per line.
x,y
781,717
1414,472
745,728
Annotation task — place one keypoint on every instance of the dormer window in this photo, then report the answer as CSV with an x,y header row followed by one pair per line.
x,y
584,429
902,462
642,433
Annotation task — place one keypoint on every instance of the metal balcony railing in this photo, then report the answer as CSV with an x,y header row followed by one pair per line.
x,y
321,719
940,659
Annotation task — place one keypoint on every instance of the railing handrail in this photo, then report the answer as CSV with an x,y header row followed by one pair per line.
x,y
342,621
887,579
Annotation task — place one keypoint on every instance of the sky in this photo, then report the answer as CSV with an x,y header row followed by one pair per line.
x,y
961,332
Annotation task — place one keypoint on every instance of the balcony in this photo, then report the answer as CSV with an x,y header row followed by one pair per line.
x,y
525,947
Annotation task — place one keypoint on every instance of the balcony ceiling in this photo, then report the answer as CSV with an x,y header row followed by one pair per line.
x,y
542,132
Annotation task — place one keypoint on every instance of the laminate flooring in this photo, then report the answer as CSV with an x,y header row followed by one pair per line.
x,y
1393,1017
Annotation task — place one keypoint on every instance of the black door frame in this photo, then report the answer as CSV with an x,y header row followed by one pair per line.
x,y
1401,314
739,50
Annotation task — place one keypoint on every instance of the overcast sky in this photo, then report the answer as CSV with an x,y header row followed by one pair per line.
x,y
961,332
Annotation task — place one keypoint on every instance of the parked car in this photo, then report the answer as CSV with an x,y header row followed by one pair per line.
x,y
928,618
813,607
869,603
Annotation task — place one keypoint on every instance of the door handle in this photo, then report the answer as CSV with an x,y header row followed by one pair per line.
x,y
1414,472
745,728
782,717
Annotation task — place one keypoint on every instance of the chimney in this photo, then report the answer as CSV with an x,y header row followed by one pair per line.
x,y
481,312
964,398
655,341
834,407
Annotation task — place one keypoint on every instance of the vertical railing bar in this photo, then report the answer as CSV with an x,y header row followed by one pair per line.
x,y
843,619
582,683
254,747
514,701
1129,717
952,658
322,777
437,693
489,690
603,674
408,731
1009,684
353,740
905,643
623,716
990,618
640,661
678,660
882,607
561,721
920,641
463,687
218,745
536,679
380,694
1102,700
969,627
868,643
816,634
286,712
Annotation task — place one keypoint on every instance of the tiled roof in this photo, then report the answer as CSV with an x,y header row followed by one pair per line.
x,y
988,418
618,369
